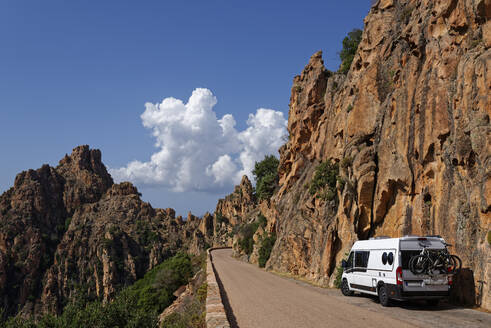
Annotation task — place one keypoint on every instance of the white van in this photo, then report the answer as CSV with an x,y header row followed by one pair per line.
x,y
380,266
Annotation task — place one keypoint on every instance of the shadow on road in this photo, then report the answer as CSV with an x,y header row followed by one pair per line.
x,y
226,303
415,305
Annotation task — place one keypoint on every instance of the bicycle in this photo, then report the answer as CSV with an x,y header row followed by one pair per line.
x,y
431,261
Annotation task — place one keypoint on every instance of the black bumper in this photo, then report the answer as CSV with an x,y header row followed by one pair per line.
x,y
396,292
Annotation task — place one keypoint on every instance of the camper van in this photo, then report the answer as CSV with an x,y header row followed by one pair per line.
x,y
380,266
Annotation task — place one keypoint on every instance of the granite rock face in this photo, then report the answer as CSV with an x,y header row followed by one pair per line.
x,y
232,211
409,128
69,230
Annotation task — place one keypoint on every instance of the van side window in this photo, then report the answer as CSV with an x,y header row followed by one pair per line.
x,y
350,260
390,259
361,260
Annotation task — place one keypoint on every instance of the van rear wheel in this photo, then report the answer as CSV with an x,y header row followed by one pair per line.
x,y
345,288
383,296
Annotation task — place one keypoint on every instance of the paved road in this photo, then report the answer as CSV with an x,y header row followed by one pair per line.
x,y
260,299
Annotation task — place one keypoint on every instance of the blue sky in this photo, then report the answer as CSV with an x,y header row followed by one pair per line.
x,y
80,72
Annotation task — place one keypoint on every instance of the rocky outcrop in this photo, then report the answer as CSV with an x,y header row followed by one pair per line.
x,y
69,231
409,129
236,205
231,211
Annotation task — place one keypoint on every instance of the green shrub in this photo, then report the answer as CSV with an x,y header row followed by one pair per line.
x,y
67,223
489,237
265,249
346,162
261,219
350,45
194,313
266,175
324,182
194,316
202,292
339,273
246,242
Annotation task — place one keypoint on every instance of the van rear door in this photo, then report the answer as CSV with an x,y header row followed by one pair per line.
x,y
420,283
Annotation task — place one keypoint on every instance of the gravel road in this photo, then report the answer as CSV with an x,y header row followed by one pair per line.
x,y
260,299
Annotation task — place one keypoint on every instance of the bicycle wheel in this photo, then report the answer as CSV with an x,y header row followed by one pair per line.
x,y
458,262
418,264
439,265
450,265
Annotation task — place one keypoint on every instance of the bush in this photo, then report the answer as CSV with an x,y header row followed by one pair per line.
x,y
350,45
193,316
246,243
324,181
339,273
266,175
346,162
265,250
261,219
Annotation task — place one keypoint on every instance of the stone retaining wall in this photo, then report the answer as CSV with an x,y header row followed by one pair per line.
x,y
215,311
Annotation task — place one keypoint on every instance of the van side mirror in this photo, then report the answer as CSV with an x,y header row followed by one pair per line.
x,y
344,264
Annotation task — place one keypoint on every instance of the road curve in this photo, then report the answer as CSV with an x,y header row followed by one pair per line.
x,y
259,299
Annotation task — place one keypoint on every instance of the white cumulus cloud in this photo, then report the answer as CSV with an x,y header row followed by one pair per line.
x,y
199,152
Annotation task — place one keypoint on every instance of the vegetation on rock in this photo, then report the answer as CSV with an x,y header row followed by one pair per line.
x,y
193,315
324,182
247,231
339,273
246,242
265,250
350,45
266,174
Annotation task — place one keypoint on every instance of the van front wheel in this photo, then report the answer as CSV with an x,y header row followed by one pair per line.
x,y
383,296
345,288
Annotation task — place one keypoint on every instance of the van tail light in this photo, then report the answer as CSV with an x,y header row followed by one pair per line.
x,y
399,275
450,280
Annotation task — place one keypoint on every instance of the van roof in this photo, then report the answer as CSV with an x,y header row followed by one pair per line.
x,y
385,242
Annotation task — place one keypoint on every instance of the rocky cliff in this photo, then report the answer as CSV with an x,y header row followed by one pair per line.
x,y
69,232
406,134
231,212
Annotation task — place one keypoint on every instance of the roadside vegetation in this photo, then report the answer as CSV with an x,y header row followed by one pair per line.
x,y
138,305
247,231
339,273
193,315
265,250
265,242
